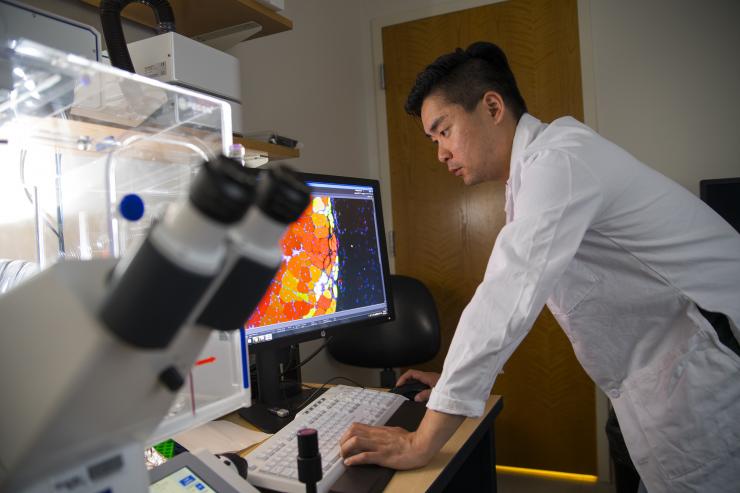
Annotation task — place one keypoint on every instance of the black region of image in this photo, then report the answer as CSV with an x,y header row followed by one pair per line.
x,y
360,281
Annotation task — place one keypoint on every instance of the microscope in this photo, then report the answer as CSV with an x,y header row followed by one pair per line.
x,y
96,346
94,369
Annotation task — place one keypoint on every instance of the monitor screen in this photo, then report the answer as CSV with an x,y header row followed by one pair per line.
x,y
182,480
334,272
723,195
334,277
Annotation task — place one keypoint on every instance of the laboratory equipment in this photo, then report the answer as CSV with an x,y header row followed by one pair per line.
x,y
87,384
173,58
195,472
309,458
20,20
177,59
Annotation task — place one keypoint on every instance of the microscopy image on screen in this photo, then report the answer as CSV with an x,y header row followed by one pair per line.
x,y
306,284
360,272
330,264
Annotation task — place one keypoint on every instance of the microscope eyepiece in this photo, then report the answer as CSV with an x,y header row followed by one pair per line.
x,y
223,190
281,195
179,259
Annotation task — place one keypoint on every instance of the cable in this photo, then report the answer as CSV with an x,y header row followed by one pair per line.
x,y
309,358
313,394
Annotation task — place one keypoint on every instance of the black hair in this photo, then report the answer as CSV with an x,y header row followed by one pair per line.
x,y
464,76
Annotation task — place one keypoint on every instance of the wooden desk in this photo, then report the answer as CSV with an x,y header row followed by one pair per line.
x,y
465,463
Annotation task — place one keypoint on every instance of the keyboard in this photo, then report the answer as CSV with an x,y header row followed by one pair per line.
x,y
273,464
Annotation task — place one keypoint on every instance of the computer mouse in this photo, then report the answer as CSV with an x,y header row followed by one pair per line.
x,y
410,388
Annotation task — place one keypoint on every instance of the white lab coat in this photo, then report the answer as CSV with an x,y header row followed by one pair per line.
x,y
622,255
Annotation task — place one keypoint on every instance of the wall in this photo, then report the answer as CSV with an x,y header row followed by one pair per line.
x,y
307,84
665,77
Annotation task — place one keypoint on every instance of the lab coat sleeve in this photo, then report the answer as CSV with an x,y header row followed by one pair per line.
x,y
557,201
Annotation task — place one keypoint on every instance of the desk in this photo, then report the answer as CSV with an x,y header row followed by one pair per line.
x,y
465,463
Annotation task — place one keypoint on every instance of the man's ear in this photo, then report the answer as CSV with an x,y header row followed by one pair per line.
x,y
494,105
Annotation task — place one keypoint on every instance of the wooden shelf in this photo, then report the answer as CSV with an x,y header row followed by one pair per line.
x,y
271,150
194,17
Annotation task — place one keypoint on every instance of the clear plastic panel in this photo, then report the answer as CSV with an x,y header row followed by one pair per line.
x,y
76,137
79,136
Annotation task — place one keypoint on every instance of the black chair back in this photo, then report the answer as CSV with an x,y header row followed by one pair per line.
x,y
412,338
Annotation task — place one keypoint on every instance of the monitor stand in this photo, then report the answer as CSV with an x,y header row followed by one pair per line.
x,y
265,417
276,392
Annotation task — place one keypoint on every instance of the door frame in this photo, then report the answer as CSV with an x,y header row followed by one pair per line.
x,y
380,131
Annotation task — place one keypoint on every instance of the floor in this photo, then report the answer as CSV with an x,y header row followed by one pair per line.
x,y
515,483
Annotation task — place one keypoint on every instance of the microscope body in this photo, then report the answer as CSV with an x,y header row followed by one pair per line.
x,y
84,402
88,386
95,346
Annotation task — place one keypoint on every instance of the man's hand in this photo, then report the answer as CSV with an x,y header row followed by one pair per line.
x,y
425,377
383,445
395,447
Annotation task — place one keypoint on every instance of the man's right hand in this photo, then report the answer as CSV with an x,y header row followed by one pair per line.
x,y
395,447
425,377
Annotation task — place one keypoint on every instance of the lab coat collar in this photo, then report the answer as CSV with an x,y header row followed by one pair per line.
x,y
526,131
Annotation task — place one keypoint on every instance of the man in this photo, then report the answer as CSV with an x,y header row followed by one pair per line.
x,y
624,259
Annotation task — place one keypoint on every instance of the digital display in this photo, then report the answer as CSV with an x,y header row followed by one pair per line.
x,y
332,270
179,481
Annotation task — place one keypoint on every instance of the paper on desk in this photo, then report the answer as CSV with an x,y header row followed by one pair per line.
x,y
220,436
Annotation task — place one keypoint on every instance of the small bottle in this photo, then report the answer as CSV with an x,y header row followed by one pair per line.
x,y
238,153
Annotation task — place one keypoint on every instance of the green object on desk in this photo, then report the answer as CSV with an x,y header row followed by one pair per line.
x,y
166,448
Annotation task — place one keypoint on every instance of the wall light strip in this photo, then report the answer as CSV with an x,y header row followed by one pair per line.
x,y
583,478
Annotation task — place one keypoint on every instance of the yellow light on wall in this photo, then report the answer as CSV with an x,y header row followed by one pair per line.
x,y
568,476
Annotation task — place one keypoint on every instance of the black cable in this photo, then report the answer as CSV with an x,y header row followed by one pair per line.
x,y
309,358
313,394
110,19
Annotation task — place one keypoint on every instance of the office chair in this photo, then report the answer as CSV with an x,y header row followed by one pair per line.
x,y
412,338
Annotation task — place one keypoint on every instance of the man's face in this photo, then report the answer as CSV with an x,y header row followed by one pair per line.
x,y
476,145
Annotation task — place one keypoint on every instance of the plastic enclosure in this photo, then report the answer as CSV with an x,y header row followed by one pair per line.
x,y
76,138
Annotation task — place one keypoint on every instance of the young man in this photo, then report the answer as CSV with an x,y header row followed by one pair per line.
x,y
642,276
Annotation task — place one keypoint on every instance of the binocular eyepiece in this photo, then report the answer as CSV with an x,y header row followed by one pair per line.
x,y
202,249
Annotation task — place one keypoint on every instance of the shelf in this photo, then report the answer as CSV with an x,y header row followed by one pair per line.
x,y
272,151
194,17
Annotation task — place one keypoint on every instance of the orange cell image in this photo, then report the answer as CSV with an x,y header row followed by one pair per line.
x,y
305,284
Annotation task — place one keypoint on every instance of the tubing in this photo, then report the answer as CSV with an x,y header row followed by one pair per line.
x,y
110,18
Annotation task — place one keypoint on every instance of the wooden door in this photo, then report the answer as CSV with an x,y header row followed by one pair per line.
x,y
445,231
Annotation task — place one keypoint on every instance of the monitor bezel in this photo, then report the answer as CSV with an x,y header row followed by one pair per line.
x,y
328,331
706,184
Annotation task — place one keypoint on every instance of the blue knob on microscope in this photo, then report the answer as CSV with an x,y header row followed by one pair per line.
x,y
131,207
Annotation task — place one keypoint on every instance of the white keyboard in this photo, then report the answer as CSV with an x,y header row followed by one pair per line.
x,y
273,464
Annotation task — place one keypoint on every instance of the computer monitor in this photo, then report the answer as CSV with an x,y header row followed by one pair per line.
x,y
722,195
334,277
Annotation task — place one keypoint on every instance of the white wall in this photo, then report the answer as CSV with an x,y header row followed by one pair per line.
x,y
665,77
307,84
